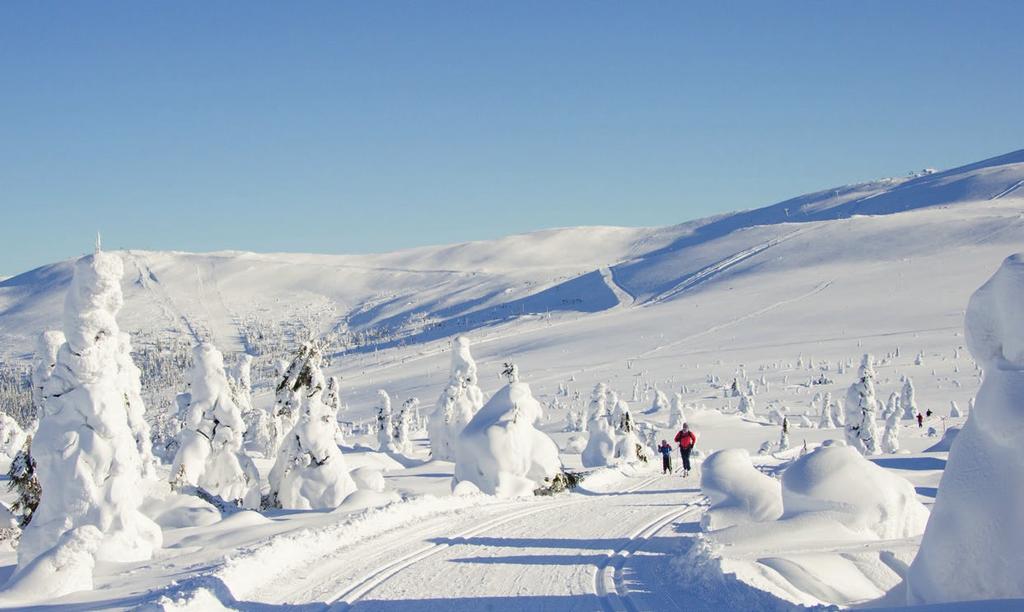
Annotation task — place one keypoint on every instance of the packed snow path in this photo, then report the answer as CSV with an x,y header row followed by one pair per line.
x,y
569,552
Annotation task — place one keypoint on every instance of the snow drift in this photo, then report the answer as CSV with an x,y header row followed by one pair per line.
x,y
974,545
738,492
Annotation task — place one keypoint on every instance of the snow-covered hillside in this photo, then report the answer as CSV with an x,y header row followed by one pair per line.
x,y
784,299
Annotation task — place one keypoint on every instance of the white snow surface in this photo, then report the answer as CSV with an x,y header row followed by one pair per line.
x,y
884,267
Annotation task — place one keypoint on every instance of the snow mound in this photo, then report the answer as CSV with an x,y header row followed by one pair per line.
x,y
500,450
368,479
63,569
839,483
738,492
974,545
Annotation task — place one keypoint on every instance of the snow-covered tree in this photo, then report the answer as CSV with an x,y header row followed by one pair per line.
x,y
460,400
45,359
403,425
130,382
678,416
332,399
12,436
385,423
861,409
87,459
23,482
294,377
784,436
310,472
826,421
501,452
892,414
210,453
661,402
628,446
746,406
973,546
954,410
908,400
240,383
600,449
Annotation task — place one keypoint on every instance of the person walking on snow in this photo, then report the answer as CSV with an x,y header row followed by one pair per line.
x,y
666,456
920,420
686,440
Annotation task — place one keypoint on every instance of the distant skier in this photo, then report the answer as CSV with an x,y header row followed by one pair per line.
x,y
686,441
920,420
929,413
666,456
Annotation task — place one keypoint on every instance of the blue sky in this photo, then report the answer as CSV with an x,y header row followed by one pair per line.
x,y
352,127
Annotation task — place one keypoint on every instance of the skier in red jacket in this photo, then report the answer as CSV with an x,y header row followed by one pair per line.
x,y
686,440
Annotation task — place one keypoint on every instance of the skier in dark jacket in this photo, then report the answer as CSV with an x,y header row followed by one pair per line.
x,y
686,441
666,456
920,420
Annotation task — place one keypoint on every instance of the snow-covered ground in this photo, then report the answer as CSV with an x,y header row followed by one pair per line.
x,y
776,297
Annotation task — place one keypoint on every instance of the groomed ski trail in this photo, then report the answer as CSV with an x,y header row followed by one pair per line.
x,y
580,551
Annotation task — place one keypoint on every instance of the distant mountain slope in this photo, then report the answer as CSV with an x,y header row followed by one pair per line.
x,y
425,293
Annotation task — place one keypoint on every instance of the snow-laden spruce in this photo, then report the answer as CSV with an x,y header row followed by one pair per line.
x,y
746,406
601,443
892,414
130,381
861,408
87,459
738,492
297,375
210,452
12,436
826,420
240,382
501,451
332,398
628,446
678,416
310,472
974,545
459,402
385,423
908,400
45,359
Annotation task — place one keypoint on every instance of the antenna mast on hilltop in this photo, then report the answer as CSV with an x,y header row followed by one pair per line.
x,y
99,242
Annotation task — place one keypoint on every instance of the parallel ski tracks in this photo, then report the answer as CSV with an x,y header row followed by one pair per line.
x,y
343,599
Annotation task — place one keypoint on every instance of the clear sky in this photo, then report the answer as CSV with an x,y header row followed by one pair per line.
x,y
352,127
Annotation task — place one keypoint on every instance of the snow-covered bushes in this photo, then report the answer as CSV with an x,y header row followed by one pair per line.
x,y
87,459
501,452
738,492
861,408
837,483
210,452
974,545
459,402
310,471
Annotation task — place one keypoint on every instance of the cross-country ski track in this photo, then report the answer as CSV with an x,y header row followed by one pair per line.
x,y
576,551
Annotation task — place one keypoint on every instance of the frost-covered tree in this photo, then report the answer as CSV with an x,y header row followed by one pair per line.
x,y
45,359
954,410
836,409
22,481
746,406
130,382
678,416
826,421
600,449
403,426
784,436
385,423
310,471
661,402
628,446
240,383
908,400
332,399
12,436
210,453
501,451
973,546
87,459
861,409
892,414
460,400
297,375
